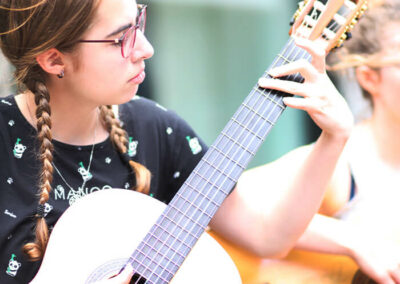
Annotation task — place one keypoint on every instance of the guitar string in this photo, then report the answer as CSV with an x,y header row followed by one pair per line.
x,y
205,179
258,117
269,102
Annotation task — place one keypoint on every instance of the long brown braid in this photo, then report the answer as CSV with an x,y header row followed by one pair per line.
x,y
27,30
43,113
119,138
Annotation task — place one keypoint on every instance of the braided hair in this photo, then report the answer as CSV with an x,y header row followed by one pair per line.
x,y
27,30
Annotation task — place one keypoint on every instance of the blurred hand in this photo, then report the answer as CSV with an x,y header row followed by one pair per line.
x,y
318,95
379,259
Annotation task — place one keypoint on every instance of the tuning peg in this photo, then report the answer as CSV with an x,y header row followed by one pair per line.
x,y
348,35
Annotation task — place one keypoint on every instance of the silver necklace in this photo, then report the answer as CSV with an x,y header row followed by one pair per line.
x,y
75,194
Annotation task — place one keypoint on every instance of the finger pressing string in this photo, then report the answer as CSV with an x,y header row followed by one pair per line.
x,y
301,66
290,87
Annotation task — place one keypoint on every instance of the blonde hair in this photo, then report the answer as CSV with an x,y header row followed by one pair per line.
x,y
27,30
366,48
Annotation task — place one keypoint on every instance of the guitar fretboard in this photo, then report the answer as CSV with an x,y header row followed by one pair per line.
x,y
165,247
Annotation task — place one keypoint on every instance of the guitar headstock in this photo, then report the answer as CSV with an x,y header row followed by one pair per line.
x,y
327,21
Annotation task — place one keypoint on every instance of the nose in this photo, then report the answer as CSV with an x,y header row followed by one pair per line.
x,y
142,49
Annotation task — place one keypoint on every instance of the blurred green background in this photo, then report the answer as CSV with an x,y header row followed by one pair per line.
x,y
208,56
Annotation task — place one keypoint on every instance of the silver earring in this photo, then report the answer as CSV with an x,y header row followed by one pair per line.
x,y
61,75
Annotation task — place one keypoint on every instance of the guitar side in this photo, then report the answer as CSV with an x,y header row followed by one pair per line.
x,y
300,267
95,236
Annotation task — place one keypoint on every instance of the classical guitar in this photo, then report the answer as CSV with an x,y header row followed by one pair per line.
x,y
119,227
299,267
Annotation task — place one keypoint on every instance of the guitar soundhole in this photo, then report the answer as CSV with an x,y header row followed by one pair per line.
x,y
113,267
361,278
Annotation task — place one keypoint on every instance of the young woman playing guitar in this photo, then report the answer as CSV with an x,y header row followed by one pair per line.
x,y
61,139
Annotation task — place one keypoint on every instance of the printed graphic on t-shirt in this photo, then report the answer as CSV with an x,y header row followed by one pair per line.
x,y
6,102
19,149
194,145
12,215
47,209
13,266
86,175
73,195
132,147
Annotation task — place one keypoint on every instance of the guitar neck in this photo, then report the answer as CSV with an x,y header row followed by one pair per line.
x,y
176,231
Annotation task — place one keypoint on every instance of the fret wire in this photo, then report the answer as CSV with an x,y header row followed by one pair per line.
x,y
284,58
244,118
137,267
227,176
169,247
250,131
262,92
254,111
203,195
149,260
208,181
146,268
229,159
194,221
236,142
195,190
181,227
161,241
213,166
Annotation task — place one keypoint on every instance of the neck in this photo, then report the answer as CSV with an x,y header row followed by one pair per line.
x,y
72,123
386,132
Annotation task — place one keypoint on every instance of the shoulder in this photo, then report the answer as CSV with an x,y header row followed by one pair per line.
x,y
142,112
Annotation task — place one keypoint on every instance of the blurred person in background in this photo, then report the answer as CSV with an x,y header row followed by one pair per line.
x,y
360,210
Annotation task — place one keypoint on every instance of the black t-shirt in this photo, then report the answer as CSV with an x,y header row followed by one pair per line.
x,y
158,139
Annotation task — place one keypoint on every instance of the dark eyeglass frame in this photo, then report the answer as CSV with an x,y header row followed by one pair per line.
x,y
122,40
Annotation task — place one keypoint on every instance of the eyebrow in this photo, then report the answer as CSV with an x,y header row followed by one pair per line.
x,y
120,29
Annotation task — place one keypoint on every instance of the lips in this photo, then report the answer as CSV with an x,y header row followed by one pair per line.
x,y
139,78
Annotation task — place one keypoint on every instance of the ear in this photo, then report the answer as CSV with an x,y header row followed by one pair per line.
x,y
51,61
368,79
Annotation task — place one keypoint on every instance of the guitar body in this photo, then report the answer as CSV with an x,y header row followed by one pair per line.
x,y
93,239
300,267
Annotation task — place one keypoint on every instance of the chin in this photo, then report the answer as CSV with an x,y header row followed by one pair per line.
x,y
125,97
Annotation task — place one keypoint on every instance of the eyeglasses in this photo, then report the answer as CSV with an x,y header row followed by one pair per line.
x,y
127,40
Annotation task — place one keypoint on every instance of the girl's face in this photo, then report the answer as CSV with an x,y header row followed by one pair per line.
x,y
387,95
97,73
